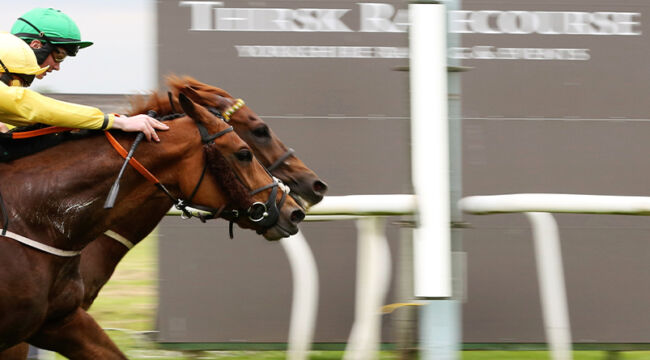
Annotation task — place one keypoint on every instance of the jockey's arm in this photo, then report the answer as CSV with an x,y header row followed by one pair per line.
x,y
20,106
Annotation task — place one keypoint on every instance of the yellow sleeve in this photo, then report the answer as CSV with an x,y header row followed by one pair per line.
x,y
20,106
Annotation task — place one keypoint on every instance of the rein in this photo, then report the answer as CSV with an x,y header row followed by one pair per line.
x,y
179,204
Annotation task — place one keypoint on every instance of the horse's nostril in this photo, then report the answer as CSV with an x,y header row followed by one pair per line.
x,y
320,187
297,216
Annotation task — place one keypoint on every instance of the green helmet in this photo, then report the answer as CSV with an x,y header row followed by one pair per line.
x,y
51,26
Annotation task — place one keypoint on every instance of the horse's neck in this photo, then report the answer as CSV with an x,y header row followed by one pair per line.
x,y
134,219
102,255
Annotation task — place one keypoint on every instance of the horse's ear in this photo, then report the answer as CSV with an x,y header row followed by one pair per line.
x,y
188,106
191,93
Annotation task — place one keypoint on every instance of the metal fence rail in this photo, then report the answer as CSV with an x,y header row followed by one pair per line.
x,y
372,278
548,256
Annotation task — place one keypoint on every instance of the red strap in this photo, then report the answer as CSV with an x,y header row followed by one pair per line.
x,y
39,132
133,162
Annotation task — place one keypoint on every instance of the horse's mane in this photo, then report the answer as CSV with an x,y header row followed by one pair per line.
x,y
159,101
177,82
156,101
226,178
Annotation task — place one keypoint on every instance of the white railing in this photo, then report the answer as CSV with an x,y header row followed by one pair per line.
x,y
550,273
373,262
373,266
373,271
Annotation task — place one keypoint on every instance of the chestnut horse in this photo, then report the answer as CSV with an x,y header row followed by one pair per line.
x,y
101,256
58,202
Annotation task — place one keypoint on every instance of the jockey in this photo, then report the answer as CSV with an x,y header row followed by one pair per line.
x,y
51,34
20,106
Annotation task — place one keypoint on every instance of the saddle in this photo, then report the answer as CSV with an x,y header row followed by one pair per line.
x,y
27,140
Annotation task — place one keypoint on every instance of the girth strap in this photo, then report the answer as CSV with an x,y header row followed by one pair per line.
x,y
36,245
119,238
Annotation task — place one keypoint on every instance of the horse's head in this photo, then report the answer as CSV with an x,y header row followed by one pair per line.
x,y
260,200
267,147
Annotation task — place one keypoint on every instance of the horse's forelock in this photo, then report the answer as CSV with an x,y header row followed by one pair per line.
x,y
227,179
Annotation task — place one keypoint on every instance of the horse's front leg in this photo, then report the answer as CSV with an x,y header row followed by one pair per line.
x,y
16,352
77,337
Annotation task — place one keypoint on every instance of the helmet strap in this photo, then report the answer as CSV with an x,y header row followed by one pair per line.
x,y
4,67
43,52
40,33
8,79
6,76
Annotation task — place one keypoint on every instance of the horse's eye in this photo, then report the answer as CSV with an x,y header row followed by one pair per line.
x,y
244,155
262,131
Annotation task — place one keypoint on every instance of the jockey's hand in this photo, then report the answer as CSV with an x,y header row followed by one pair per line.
x,y
144,123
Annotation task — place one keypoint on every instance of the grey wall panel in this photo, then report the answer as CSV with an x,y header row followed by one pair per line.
x,y
214,289
530,125
605,256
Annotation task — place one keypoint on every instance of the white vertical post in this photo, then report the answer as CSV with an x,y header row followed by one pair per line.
x,y
440,336
550,273
373,279
305,296
430,149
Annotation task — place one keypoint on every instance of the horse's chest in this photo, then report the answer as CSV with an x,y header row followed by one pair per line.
x,y
66,292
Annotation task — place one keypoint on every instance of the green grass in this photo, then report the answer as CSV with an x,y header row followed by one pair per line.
x,y
129,299
542,355
127,307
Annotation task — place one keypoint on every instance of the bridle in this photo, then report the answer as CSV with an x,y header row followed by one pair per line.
x,y
264,214
269,212
239,103
281,160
